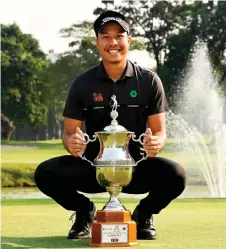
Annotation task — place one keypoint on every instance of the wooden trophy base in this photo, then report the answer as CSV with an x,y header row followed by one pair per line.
x,y
113,228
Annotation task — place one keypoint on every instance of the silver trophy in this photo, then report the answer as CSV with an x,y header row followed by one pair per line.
x,y
114,165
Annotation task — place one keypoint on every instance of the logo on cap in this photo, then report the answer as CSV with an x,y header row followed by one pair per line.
x,y
106,19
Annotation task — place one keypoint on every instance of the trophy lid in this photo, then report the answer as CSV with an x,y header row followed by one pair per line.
x,y
114,126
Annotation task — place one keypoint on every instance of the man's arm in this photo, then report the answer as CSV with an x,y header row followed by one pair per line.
x,y
157,124
72,137
157,134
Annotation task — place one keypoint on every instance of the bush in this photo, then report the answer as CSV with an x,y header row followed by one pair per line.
x,y
18,175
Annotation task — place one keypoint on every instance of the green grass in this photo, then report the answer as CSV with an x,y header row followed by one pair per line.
x,y
18,164
40,144
32,151
184,224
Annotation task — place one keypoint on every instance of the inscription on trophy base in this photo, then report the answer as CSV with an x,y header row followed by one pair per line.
x,y
114,228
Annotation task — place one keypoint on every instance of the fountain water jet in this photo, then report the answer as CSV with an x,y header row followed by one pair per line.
x,y
200,125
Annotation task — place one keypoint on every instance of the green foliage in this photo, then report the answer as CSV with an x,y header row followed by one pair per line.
x,y
22,64
207,22
78,31
13,175
212,30
137,44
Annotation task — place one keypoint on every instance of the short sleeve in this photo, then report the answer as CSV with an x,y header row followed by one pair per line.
x,y
74,106
157,102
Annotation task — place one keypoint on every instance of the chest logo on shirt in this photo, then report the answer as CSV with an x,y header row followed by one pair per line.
x,y
98,97
133,93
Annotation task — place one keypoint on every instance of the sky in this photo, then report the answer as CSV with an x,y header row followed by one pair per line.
x,y
44,19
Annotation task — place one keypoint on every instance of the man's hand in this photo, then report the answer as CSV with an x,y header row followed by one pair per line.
x,y
152,144
75,143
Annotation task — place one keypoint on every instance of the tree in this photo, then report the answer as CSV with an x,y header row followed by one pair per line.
x,y
213,32
22,82
207,25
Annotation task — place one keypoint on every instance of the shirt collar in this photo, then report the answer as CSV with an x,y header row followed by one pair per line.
x,y
129,71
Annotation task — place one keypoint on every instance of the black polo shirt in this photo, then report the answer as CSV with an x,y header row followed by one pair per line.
x,y
139,93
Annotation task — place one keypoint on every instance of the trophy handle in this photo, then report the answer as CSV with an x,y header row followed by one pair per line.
x,y
144,155
87,140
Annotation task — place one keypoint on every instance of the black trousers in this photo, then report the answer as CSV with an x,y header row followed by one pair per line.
x,y
62,177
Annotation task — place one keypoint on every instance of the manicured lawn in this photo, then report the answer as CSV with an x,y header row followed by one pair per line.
x,y
20,159
31,151
184,224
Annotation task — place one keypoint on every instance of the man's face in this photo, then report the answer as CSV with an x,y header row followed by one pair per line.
x,y
113,43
